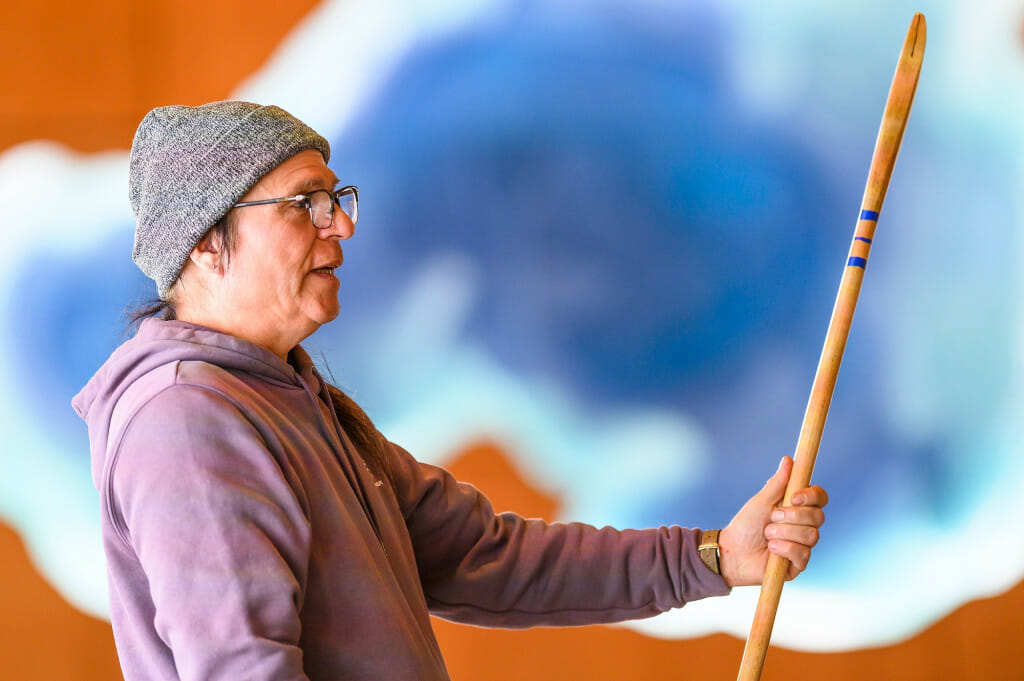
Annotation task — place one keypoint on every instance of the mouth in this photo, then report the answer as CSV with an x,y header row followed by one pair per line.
x,y
326,270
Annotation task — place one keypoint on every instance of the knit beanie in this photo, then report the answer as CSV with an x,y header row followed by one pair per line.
x,y
190,165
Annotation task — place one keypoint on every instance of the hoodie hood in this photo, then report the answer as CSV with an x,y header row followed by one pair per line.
x,y
159,343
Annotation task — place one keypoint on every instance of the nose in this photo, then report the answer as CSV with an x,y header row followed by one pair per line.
x,y
341,227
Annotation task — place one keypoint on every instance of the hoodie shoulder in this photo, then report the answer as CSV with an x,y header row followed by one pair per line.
x,y
162,354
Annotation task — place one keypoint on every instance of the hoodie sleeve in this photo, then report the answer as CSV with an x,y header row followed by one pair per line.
x,y
504,570
219,533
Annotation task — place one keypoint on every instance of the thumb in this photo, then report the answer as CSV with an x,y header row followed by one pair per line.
x,y
775,488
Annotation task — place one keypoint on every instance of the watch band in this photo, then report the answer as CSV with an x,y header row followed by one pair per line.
x,y
709,552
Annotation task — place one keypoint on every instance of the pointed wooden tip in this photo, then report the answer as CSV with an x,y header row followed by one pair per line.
x,y
913,47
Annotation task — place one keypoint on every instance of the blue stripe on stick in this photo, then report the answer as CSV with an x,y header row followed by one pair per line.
x,y
857,262
862,238
869,215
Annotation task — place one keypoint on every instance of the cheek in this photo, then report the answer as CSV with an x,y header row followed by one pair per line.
x,y
262,281
282,267
270,263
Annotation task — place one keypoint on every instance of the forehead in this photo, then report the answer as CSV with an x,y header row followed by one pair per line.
x,y
304,171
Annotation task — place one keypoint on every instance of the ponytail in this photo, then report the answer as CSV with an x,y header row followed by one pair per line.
x,y
360,429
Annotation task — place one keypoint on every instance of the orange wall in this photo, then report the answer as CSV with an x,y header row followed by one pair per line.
x,y
84,74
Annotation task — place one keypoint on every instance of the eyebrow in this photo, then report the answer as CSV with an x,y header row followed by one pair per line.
x,y
313,183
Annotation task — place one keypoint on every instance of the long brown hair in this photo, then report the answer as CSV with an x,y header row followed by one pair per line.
x,y
370,442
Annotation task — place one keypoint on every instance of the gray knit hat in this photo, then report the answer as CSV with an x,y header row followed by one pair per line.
x,y
189,165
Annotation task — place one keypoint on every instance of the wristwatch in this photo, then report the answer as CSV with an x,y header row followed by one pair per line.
x,y
709,552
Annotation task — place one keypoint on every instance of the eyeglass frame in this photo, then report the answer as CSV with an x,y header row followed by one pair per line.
x,y
306,196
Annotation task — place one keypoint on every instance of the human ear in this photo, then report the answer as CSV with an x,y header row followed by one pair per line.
x,y
205,254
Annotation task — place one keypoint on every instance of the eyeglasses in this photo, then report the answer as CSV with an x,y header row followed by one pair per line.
x,y
320,203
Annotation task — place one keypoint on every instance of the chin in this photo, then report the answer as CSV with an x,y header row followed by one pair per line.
x,y
325,313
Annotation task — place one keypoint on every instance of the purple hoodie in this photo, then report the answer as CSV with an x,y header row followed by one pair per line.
x,y
246,538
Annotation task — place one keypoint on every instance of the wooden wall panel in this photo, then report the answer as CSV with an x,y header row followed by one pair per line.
x,y
84,73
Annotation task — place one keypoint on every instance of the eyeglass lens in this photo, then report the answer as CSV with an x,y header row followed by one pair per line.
x,y
321,206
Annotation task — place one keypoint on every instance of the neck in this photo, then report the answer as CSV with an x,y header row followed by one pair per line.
x,y
231,322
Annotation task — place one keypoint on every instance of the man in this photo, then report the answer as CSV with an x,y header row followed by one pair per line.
x,y
256,525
